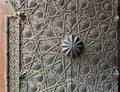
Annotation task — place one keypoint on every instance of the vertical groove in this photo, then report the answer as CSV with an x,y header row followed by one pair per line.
x,y
119,45
7,56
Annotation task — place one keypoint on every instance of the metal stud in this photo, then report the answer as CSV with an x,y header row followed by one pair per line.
x,y
72,46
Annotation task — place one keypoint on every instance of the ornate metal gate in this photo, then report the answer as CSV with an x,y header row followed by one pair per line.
x,y
62,46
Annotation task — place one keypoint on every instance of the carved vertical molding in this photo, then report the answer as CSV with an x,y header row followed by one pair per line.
x,y
12,54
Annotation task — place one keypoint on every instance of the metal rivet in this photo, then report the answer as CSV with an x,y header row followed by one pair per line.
x,y
72,46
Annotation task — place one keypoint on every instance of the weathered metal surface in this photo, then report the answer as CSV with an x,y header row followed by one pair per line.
x,y
45,68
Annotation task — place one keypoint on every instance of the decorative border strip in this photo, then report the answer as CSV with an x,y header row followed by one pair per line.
x,y
12,68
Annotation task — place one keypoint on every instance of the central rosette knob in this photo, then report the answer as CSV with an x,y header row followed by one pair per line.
x,y
72,46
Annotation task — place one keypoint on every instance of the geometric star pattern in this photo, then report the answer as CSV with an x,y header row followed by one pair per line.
x,y
44,24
